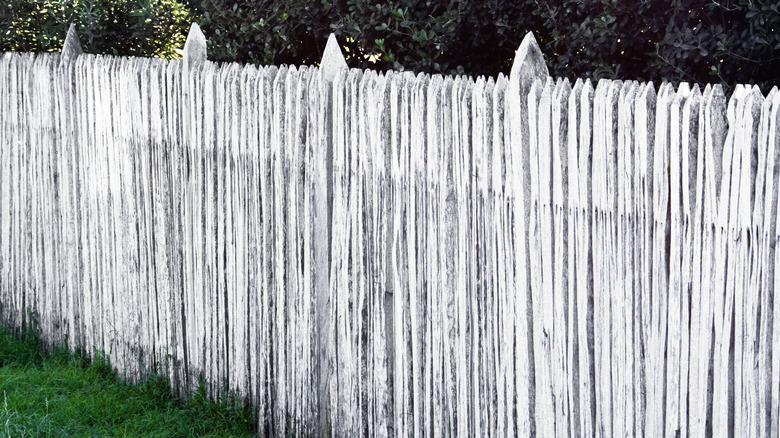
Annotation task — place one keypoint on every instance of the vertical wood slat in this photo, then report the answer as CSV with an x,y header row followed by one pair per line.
x,y
774,403
689,153
699,333
625,397
723,292
763,226
675,292
580,152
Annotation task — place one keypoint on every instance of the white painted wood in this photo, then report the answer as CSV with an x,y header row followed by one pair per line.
x,y
604,236
477,249
436,174
585,262
626,244
747,305
712,136
765,201
540,253
657,302
561,365
504,322
520,183
573,206
388,254
774,420
676,290
644,122
689,153
447,262
723,292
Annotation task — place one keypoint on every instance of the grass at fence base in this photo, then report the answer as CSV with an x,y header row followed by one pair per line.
x,y
64,394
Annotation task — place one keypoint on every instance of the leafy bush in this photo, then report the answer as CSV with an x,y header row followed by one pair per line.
x,y
700,41
450,36
691,40
138,28
678,40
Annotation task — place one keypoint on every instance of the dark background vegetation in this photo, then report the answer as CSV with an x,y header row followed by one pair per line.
x,y
729,42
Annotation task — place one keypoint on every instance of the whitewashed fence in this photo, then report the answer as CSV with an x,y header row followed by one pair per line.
x,y
359,253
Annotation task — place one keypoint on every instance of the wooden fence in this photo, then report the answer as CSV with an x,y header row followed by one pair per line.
x,y
359,253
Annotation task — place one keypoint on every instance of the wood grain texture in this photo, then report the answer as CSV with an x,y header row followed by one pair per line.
x,y
390,254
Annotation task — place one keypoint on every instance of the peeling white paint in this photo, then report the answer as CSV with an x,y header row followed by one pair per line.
x,y
386,254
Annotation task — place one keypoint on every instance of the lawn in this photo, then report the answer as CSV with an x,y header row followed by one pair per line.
x,y
64,394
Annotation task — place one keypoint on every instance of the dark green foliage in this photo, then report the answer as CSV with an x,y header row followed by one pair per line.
x,y
689,40
692,40
137,28
263,31
449,37
699,41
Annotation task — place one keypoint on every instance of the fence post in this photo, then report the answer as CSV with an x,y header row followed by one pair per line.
x,y
528,67
194,58
332,62
68,191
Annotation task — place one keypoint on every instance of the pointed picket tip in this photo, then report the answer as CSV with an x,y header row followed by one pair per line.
x,y
194,48
332,60
71,49
529,63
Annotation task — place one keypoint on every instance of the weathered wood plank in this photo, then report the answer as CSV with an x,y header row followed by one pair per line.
x,y
692,228
774,426
504,317
434,249
656,310
724,292
626,244
585,262
676,243
517,107
766,202
539,252
577,400
712,135
604,203
476,251
746,299
560,360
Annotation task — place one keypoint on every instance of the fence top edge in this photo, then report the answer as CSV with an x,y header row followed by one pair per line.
x,y
528,66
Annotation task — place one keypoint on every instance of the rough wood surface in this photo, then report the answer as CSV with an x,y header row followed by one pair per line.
x,y
384,254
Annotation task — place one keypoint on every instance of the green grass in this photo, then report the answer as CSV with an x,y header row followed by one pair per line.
x,y
64,394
